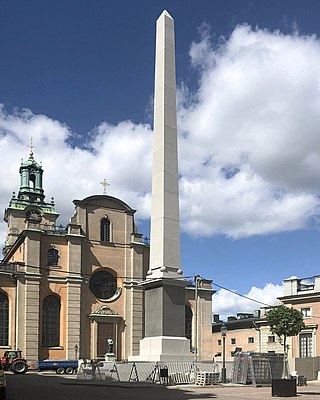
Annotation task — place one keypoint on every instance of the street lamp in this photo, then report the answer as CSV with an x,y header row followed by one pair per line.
x,y
76,351
223,331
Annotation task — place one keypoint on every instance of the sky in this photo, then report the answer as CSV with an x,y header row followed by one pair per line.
x,y
78,76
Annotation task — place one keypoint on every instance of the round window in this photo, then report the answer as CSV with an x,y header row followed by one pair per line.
x,y
103,285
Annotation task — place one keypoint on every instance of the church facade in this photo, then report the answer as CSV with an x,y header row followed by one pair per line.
x,y
65,290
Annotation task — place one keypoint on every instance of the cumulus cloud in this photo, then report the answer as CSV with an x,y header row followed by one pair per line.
x,y
250,136
227,304
121,154
248,142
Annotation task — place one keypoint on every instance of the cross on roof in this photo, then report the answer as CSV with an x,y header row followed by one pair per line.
x,y
31,148
105,184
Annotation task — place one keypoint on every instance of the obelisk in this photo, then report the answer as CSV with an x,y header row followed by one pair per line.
x,y
165,287
165,222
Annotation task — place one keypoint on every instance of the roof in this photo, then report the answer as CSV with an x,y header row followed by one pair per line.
x,y
105,201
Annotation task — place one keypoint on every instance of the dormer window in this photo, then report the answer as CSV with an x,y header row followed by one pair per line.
x,y
105,230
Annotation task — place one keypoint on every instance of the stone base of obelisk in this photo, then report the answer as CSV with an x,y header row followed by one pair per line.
x,y
164,348
164,322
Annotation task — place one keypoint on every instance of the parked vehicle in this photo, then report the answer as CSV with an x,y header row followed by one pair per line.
x,y
12,360
60,366
3,384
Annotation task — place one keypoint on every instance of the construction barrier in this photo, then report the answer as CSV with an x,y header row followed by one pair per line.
x,y
167,373
257,368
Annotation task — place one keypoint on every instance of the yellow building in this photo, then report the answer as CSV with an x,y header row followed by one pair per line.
x,y
65,290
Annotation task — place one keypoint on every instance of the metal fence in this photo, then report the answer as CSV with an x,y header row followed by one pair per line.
x,y
168,373
256,368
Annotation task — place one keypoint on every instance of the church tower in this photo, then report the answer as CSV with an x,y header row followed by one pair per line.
x,y
28,209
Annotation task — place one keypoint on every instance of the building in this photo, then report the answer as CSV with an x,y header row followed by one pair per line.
x,y
65,290
304,295
245,332
251,333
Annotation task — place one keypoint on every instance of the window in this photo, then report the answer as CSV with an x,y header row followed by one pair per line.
x,y
219,342
51,321
53,257
250,339
306,284
188,324
103,285
305,344
4,320
233,341
306,312
105,230
32,181
271,339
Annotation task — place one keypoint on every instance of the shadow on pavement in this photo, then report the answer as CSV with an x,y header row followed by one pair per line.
x,y
33,386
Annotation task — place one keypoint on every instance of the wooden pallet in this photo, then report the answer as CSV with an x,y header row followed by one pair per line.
x,y
207,378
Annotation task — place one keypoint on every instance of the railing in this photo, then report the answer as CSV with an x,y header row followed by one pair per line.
x,y
50,228
306,284
8,268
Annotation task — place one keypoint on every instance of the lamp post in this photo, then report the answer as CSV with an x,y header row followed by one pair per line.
x,y
76,351
223,331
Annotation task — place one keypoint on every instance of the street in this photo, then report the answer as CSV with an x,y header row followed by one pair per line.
x,y
33,386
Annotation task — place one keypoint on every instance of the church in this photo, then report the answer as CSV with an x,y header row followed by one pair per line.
x,y
65,290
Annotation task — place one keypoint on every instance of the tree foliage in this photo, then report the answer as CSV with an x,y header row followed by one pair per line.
x,y
285,321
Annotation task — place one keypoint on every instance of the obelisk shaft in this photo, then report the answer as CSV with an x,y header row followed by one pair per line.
x,y
164,294
165,224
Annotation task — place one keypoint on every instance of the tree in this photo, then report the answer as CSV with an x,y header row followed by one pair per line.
x,y
285,322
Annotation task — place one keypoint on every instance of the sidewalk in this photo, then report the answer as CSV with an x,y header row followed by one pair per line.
x,y
225,392
222,391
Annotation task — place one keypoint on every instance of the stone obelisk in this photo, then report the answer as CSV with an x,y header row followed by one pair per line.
x,y
165,288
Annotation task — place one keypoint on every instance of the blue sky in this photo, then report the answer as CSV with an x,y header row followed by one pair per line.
x,y
77,76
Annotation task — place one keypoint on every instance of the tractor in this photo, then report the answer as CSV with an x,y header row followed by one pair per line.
x,y
13,361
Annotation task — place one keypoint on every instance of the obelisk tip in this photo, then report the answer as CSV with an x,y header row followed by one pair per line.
x,y
165,13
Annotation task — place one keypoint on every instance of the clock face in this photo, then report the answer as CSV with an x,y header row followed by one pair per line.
x,y
34,216
103,285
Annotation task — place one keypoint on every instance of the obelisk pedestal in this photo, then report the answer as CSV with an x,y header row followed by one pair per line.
x,y
165,287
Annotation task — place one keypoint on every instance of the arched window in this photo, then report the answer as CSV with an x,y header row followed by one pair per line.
x,y
4,320
32,181
51,321
53,257
105,230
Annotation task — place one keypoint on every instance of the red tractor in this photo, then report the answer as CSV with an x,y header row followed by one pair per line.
x,y
12,361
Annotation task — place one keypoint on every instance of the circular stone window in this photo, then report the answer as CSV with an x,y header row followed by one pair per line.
x,y
103,285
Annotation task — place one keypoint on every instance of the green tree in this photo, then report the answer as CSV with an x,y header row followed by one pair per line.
x,y
285,322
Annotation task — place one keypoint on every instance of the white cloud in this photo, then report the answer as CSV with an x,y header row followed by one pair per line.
x,y
251,135
121,154
227,304
248,141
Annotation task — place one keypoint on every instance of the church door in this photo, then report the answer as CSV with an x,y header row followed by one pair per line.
x,y
105,331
